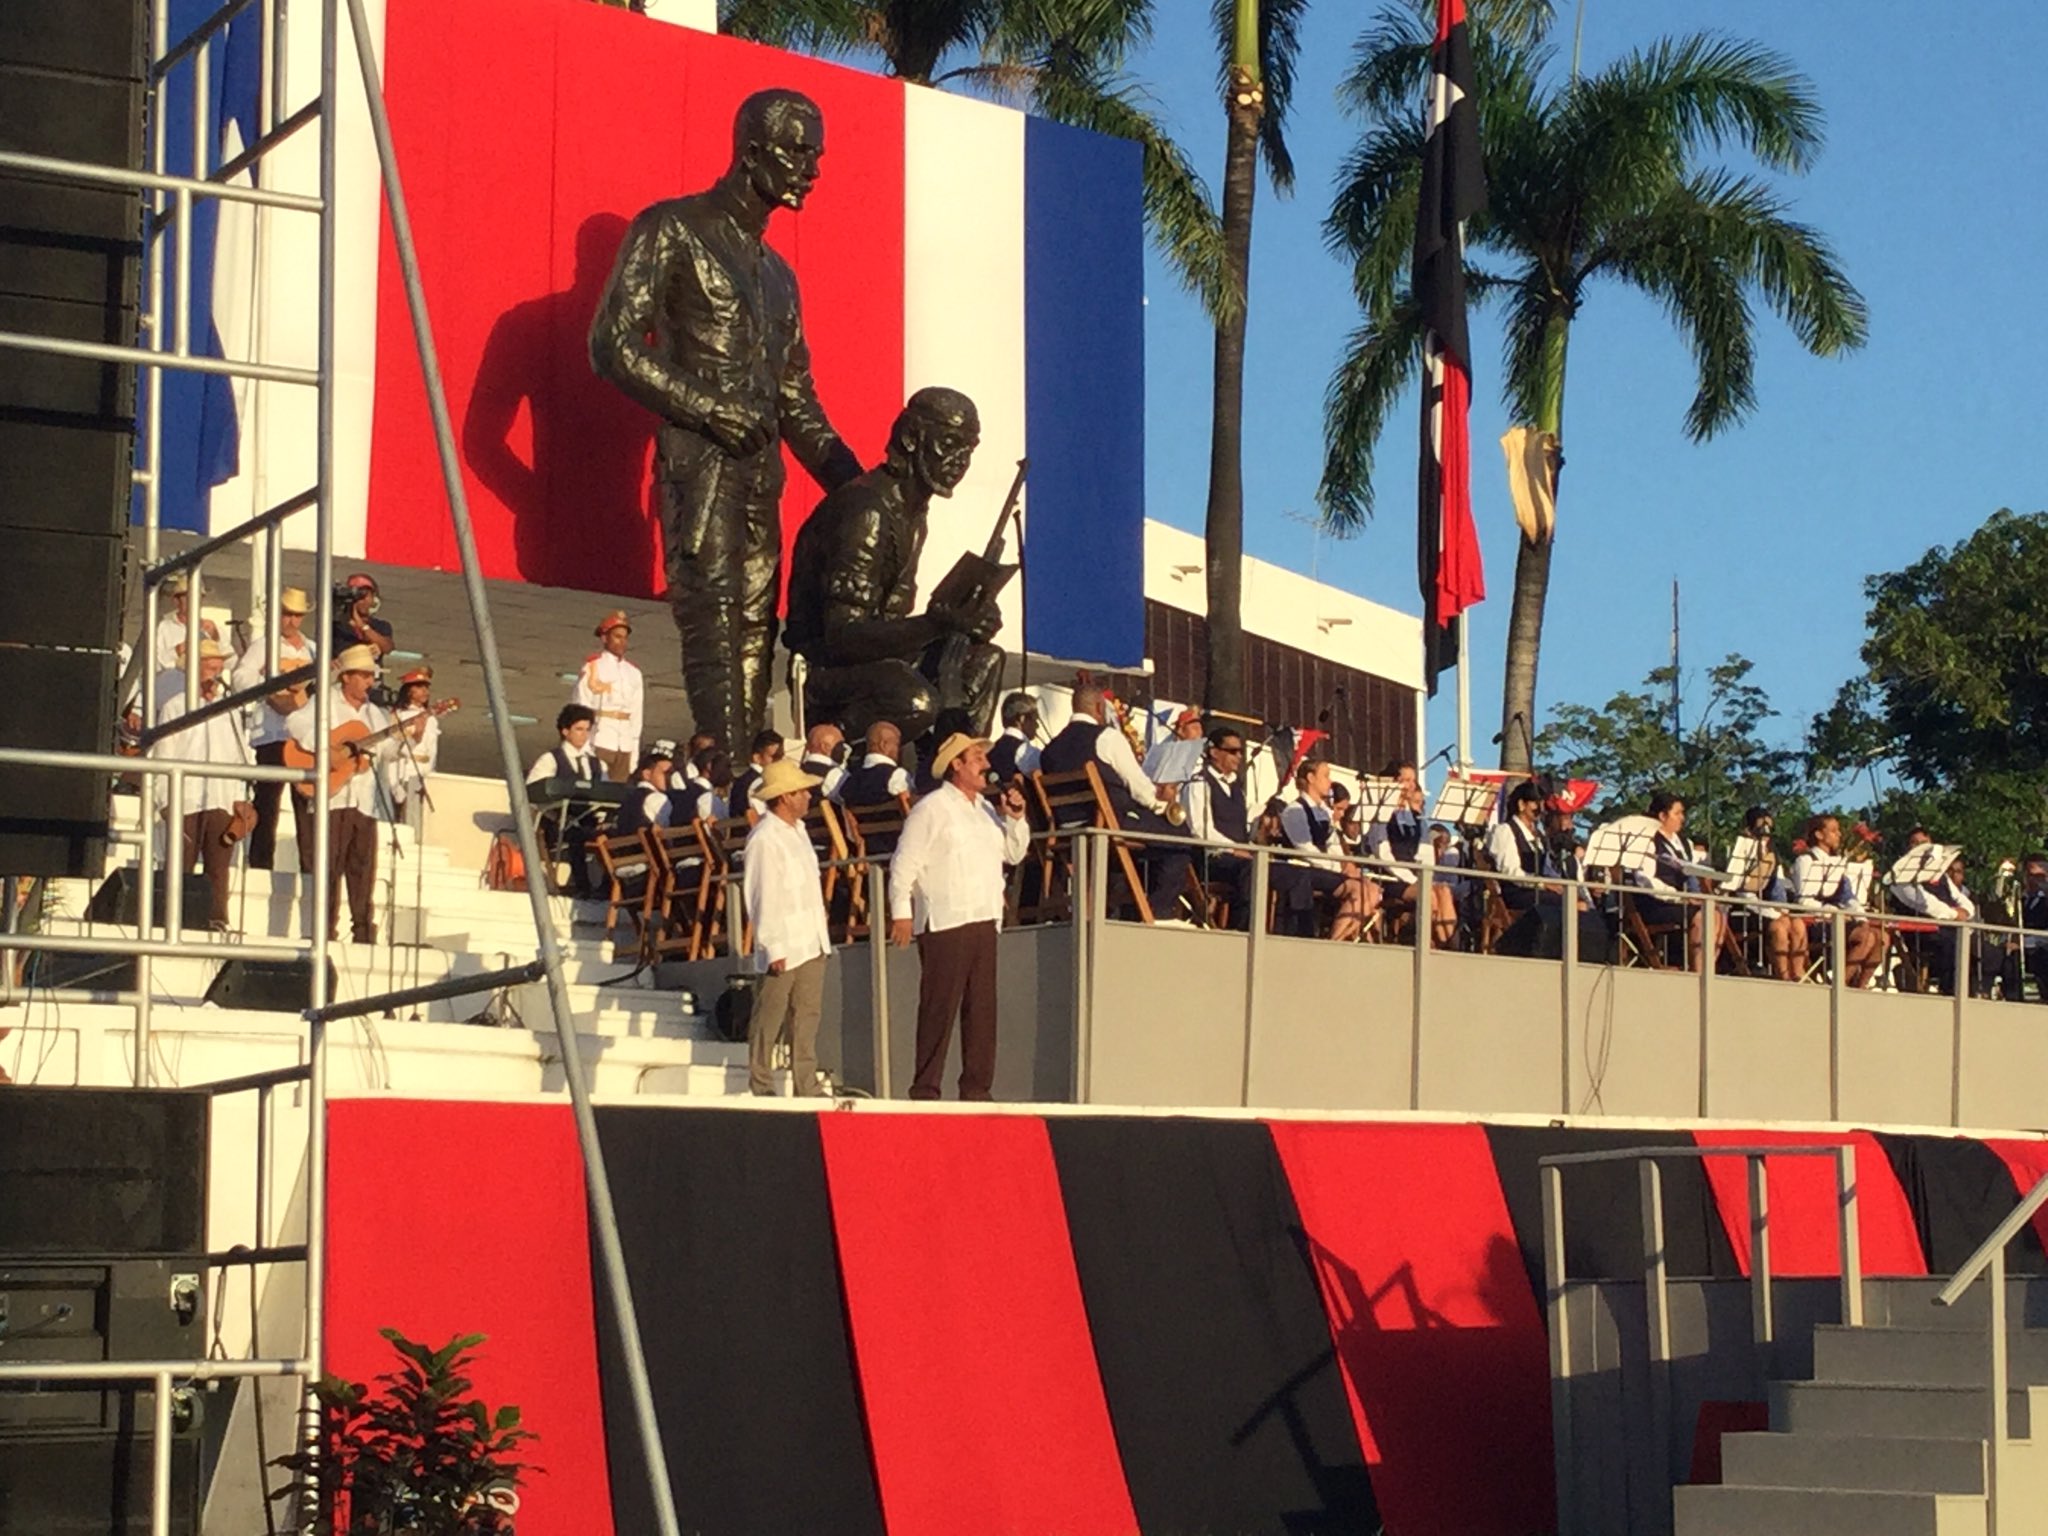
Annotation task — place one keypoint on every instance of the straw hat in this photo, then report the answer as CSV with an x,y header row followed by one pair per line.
x,y
176,584
616,619
782,777
951,748
210,649
357,658
294,600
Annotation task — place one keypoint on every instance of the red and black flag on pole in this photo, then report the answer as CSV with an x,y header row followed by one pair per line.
x,y
1453,189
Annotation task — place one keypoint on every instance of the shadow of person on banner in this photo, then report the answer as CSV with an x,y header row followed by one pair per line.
x,y
579,501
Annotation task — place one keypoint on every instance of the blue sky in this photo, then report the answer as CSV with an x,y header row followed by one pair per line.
x,y
1931,190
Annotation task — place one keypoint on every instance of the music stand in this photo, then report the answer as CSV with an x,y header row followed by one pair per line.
x,y
1824,872
1628,843
1745,856
1466,803
1923,865
1860,872
1377,800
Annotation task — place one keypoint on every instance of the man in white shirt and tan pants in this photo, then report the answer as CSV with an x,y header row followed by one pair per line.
x,y
946,886
786,906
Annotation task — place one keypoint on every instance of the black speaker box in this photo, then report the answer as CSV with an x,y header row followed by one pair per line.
x,y
112,1172
53,821
73,1311
94,1484
109,38
75,971
67,473
267,986
59,588
118,899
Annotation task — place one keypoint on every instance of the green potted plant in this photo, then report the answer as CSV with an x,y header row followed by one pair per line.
x,y
414,1453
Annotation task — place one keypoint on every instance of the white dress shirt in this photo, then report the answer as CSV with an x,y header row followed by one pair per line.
x,y
217,739
899,781
1027,751
267,725
170,634
582,765
400,777
613,687
1926,901
1819,877
830,773
1113,751
1506,851
360,792
1298,824
1201,819
1379,845
785,901
948,868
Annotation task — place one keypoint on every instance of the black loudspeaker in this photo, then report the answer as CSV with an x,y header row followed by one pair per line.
x,y
93,1484
72,1311
109,1172
53,821
118,899
71,86
267,986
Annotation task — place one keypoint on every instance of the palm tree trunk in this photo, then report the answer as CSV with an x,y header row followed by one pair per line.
x,y
1532,577
1224,526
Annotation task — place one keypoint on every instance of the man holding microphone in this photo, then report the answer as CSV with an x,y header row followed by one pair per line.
x,y
946,886
786,905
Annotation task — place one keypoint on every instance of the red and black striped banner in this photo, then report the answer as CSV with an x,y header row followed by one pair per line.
x,y
922,1324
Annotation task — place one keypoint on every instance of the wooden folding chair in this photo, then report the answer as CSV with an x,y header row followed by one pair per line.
x,y
630,885
838,881
1075,800
1646,939
881,824
723,844
682,887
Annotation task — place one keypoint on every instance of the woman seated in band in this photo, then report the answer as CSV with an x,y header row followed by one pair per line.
x,y
1307,825
1403,841
1820,879
1660,904
1756,879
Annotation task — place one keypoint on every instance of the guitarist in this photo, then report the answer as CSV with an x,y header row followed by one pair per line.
x,y
352,809
853,586
267,731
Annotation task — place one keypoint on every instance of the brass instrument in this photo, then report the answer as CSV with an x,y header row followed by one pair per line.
x,y
1168,804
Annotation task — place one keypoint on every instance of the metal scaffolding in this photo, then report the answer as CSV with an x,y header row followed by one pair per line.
x,y
167,346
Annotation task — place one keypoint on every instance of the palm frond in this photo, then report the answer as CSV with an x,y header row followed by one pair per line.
x,y
1279,47
1013,85
1379,360
1657,108
1532,301
829,28
1372,218
1390,67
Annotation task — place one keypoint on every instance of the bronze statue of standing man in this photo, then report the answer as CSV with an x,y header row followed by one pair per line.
x,y
700,323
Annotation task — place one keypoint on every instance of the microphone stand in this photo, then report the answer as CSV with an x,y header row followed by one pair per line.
x,y
419,865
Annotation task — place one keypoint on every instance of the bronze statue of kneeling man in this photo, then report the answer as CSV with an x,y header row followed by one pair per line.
x,y
853,586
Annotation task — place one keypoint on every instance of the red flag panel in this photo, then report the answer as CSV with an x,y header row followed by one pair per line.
x,y
1439,1335
985,1408
1803,1203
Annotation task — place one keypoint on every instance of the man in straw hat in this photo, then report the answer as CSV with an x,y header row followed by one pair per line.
x,y
946,886
352,809
791,940
267,725
612,687
206,818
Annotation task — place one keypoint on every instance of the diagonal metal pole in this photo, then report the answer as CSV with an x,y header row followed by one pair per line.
x,y
603,1216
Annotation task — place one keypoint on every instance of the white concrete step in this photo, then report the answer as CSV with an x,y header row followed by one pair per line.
x,y
1872,1463
1728,1511
1841,1408
1928,1357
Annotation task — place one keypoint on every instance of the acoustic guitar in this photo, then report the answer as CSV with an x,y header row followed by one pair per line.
x,y
350,749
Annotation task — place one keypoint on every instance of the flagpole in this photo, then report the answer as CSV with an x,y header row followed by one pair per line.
x,y
1464,757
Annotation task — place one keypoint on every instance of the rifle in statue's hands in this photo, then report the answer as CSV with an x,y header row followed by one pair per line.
x,y
971,588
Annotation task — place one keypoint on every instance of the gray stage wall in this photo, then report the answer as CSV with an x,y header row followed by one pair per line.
x,y
1167,1017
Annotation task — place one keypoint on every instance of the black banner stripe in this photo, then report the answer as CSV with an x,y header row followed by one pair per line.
x,y
1215,1350
1603,1205
1959,1191
729,1247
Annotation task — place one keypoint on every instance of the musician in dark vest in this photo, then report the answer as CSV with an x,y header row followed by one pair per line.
x,y
572,762
647,804
1016,750
1402,841
1090,736
874,783
853,587
1217,814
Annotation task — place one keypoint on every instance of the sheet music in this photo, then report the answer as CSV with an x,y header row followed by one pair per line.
x,y
1819,875
1377,799
1624,844
1465,802
1923,865
1745,856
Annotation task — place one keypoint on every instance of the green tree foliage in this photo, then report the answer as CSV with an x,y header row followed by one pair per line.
x,y
1720,763
1063,59
1592,180
1953,705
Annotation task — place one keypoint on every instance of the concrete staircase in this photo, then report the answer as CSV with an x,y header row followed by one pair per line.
x,y
1889,1437
435,920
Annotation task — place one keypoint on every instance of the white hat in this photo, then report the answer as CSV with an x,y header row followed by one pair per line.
x,y
357,658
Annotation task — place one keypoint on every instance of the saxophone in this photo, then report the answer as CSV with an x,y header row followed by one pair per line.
x,y
1168,804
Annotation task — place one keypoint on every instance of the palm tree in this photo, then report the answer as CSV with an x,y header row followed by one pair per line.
x,y
1063,59
1257,40
1595,179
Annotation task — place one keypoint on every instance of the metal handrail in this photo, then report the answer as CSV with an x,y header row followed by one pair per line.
x,y
1990,1256
1656,1276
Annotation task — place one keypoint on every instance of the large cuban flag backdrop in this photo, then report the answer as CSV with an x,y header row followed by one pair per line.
x,y
950,241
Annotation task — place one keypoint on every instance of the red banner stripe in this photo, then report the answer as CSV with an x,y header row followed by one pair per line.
x,y
1437,1331
1803,1202
977,1369
1460,571
451,1217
